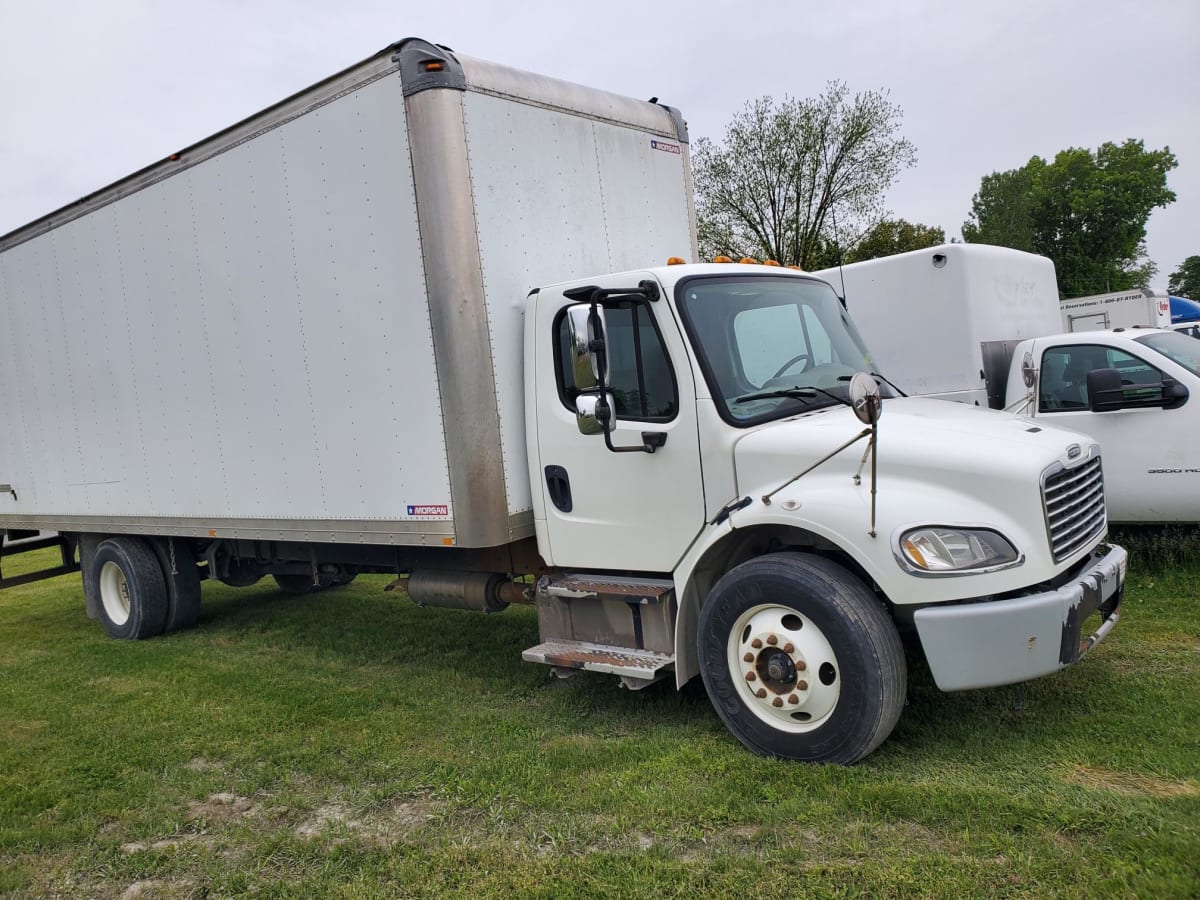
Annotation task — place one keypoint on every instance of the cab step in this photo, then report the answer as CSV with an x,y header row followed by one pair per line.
x,y
628,590
640,665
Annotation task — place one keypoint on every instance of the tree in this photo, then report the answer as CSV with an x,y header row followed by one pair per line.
x,y
1086,210
1185,281
893,236
788,171
1002,211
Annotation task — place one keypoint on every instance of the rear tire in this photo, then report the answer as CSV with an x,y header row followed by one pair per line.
x,y
801,660
183,587
132,591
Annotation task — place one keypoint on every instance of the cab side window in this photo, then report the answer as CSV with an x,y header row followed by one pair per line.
x,y
640,377
1063,383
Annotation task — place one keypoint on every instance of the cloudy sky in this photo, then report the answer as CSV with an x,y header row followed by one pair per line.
x,y
94,91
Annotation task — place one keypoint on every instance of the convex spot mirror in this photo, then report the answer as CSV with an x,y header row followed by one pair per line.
x,y
865,399
589,337
585,413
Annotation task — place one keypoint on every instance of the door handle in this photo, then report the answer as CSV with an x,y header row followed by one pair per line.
x,y
558,485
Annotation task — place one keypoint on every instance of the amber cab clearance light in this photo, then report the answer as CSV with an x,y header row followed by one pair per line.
x,y
797,268
433,65
748,259
676,261
722,259
770,262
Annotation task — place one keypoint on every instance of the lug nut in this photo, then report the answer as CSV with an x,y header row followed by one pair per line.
x,y
789,648
750,676
772,640
778,701
760,693
802,685
793,699
749,657
801,665
756,644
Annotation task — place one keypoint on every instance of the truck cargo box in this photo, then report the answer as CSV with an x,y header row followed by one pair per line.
x,y
933,318
309,326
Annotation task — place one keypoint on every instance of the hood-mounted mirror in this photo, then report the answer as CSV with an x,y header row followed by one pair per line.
x,y
865,399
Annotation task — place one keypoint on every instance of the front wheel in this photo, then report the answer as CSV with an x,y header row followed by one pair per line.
x,y
800,659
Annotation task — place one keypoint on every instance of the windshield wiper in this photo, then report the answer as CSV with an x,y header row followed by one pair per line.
x,y
795,393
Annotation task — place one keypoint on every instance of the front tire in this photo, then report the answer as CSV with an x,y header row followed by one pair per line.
x,y
800,659
131,587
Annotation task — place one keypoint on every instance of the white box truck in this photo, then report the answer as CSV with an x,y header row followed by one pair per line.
x,y
414,321
1140,307
980,324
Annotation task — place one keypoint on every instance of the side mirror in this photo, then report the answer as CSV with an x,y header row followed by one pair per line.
x,y
586,414
1174,394
1105,390
589,338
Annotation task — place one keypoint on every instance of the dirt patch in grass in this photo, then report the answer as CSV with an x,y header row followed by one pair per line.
x,y
156,888
167,843
1130,784
221,807
383,825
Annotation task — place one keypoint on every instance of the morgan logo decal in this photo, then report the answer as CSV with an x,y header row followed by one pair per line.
x,y
430,509
665,147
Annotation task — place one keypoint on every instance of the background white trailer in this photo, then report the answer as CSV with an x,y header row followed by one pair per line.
x,y
1118,309
308,327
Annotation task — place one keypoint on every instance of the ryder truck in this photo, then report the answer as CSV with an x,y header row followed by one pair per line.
x,y
370,330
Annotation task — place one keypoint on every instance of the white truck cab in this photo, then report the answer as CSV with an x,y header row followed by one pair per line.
x,y
701,422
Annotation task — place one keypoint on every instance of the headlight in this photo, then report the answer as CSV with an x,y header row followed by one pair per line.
x,y
937,549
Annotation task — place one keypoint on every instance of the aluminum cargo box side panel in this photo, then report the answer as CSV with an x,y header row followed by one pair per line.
x,y
245,340
557,196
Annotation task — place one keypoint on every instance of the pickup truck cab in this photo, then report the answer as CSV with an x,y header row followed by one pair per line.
x,y
1136,392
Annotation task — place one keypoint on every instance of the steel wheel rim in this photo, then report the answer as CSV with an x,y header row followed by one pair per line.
x,y
784,668
114,593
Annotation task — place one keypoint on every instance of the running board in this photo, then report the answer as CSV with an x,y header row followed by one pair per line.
x,y
66,549
642,665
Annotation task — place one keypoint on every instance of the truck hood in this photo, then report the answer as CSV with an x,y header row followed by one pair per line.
x,y
922,439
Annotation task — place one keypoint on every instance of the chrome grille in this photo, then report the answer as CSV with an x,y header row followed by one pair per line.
x,y
1074,504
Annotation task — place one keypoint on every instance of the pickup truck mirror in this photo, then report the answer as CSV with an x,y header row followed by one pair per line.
x,y
587,417
1105,390
586,344
1175,394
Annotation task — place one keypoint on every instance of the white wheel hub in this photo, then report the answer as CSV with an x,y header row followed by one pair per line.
x,y
114,593
784,668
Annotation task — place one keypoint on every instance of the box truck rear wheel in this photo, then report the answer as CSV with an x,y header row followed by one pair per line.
x,y
132,589
182,577
800,659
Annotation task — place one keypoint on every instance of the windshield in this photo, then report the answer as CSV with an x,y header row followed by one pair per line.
x,y
771,346
1179,348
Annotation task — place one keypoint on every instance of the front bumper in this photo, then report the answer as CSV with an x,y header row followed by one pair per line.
x,y
994,642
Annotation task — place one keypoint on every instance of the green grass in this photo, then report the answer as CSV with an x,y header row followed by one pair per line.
x,y
351,744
